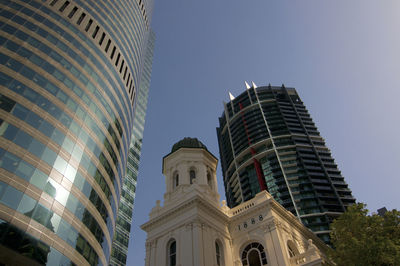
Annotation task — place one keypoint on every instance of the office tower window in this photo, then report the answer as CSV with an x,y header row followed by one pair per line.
x,y
66,126
268,141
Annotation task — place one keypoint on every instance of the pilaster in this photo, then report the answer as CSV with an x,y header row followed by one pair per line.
x,y
148,253
153,253
202,174
185,256
183,174
198,250
274,246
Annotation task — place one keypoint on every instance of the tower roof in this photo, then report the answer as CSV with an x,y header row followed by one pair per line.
x,y
191,143
188,143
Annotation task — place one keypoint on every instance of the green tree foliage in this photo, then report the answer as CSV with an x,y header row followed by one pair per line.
x,y
360,239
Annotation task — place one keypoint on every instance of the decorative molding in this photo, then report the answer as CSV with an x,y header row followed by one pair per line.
x,y
188,226
165,214
194,215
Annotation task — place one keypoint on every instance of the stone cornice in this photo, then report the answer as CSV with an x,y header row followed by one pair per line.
x,y
165,213
264,201
194,199
294,221
250,212
171,156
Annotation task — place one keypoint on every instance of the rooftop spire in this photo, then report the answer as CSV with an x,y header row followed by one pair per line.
x,y
231,96
253,84
247,85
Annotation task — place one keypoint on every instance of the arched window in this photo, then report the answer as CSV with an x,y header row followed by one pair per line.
x,y
172,253
292,249
291,252
176,180
192,175
254,258
209,179
254,255
219,253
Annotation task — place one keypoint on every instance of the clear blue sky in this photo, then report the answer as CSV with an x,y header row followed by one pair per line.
x,y
343,57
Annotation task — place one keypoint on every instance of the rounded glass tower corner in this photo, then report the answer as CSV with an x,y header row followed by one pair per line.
x,y
268,141
69,77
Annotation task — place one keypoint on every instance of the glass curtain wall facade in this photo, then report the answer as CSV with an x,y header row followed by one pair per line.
x,y
124,218
267,140
69,78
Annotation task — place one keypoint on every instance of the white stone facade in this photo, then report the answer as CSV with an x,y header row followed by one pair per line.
x,y
187,229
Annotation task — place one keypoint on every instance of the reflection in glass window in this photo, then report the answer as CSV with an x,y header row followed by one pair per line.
x,y
26,205
23,243
11,197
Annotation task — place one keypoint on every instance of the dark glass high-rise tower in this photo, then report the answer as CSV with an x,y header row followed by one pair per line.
x,y
70,78
267,140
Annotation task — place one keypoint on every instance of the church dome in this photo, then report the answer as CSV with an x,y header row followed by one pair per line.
x,y
188,143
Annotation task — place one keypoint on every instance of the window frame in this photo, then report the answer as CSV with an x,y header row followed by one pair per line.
x,y
259,248
175,180
219,253
191,178
171,254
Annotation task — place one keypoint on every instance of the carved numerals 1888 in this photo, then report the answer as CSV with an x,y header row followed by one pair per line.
x,y
253,221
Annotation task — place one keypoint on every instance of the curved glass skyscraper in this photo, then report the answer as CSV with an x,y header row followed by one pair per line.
x,y
70,72
124,219
268,141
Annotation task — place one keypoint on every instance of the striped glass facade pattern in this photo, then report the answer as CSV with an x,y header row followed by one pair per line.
x,y
267,139
124,218
69,77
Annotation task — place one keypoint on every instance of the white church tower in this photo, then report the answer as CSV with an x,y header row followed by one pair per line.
x,y
192,228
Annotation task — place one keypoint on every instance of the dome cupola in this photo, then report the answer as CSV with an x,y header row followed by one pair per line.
x,y
190,163
188,143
